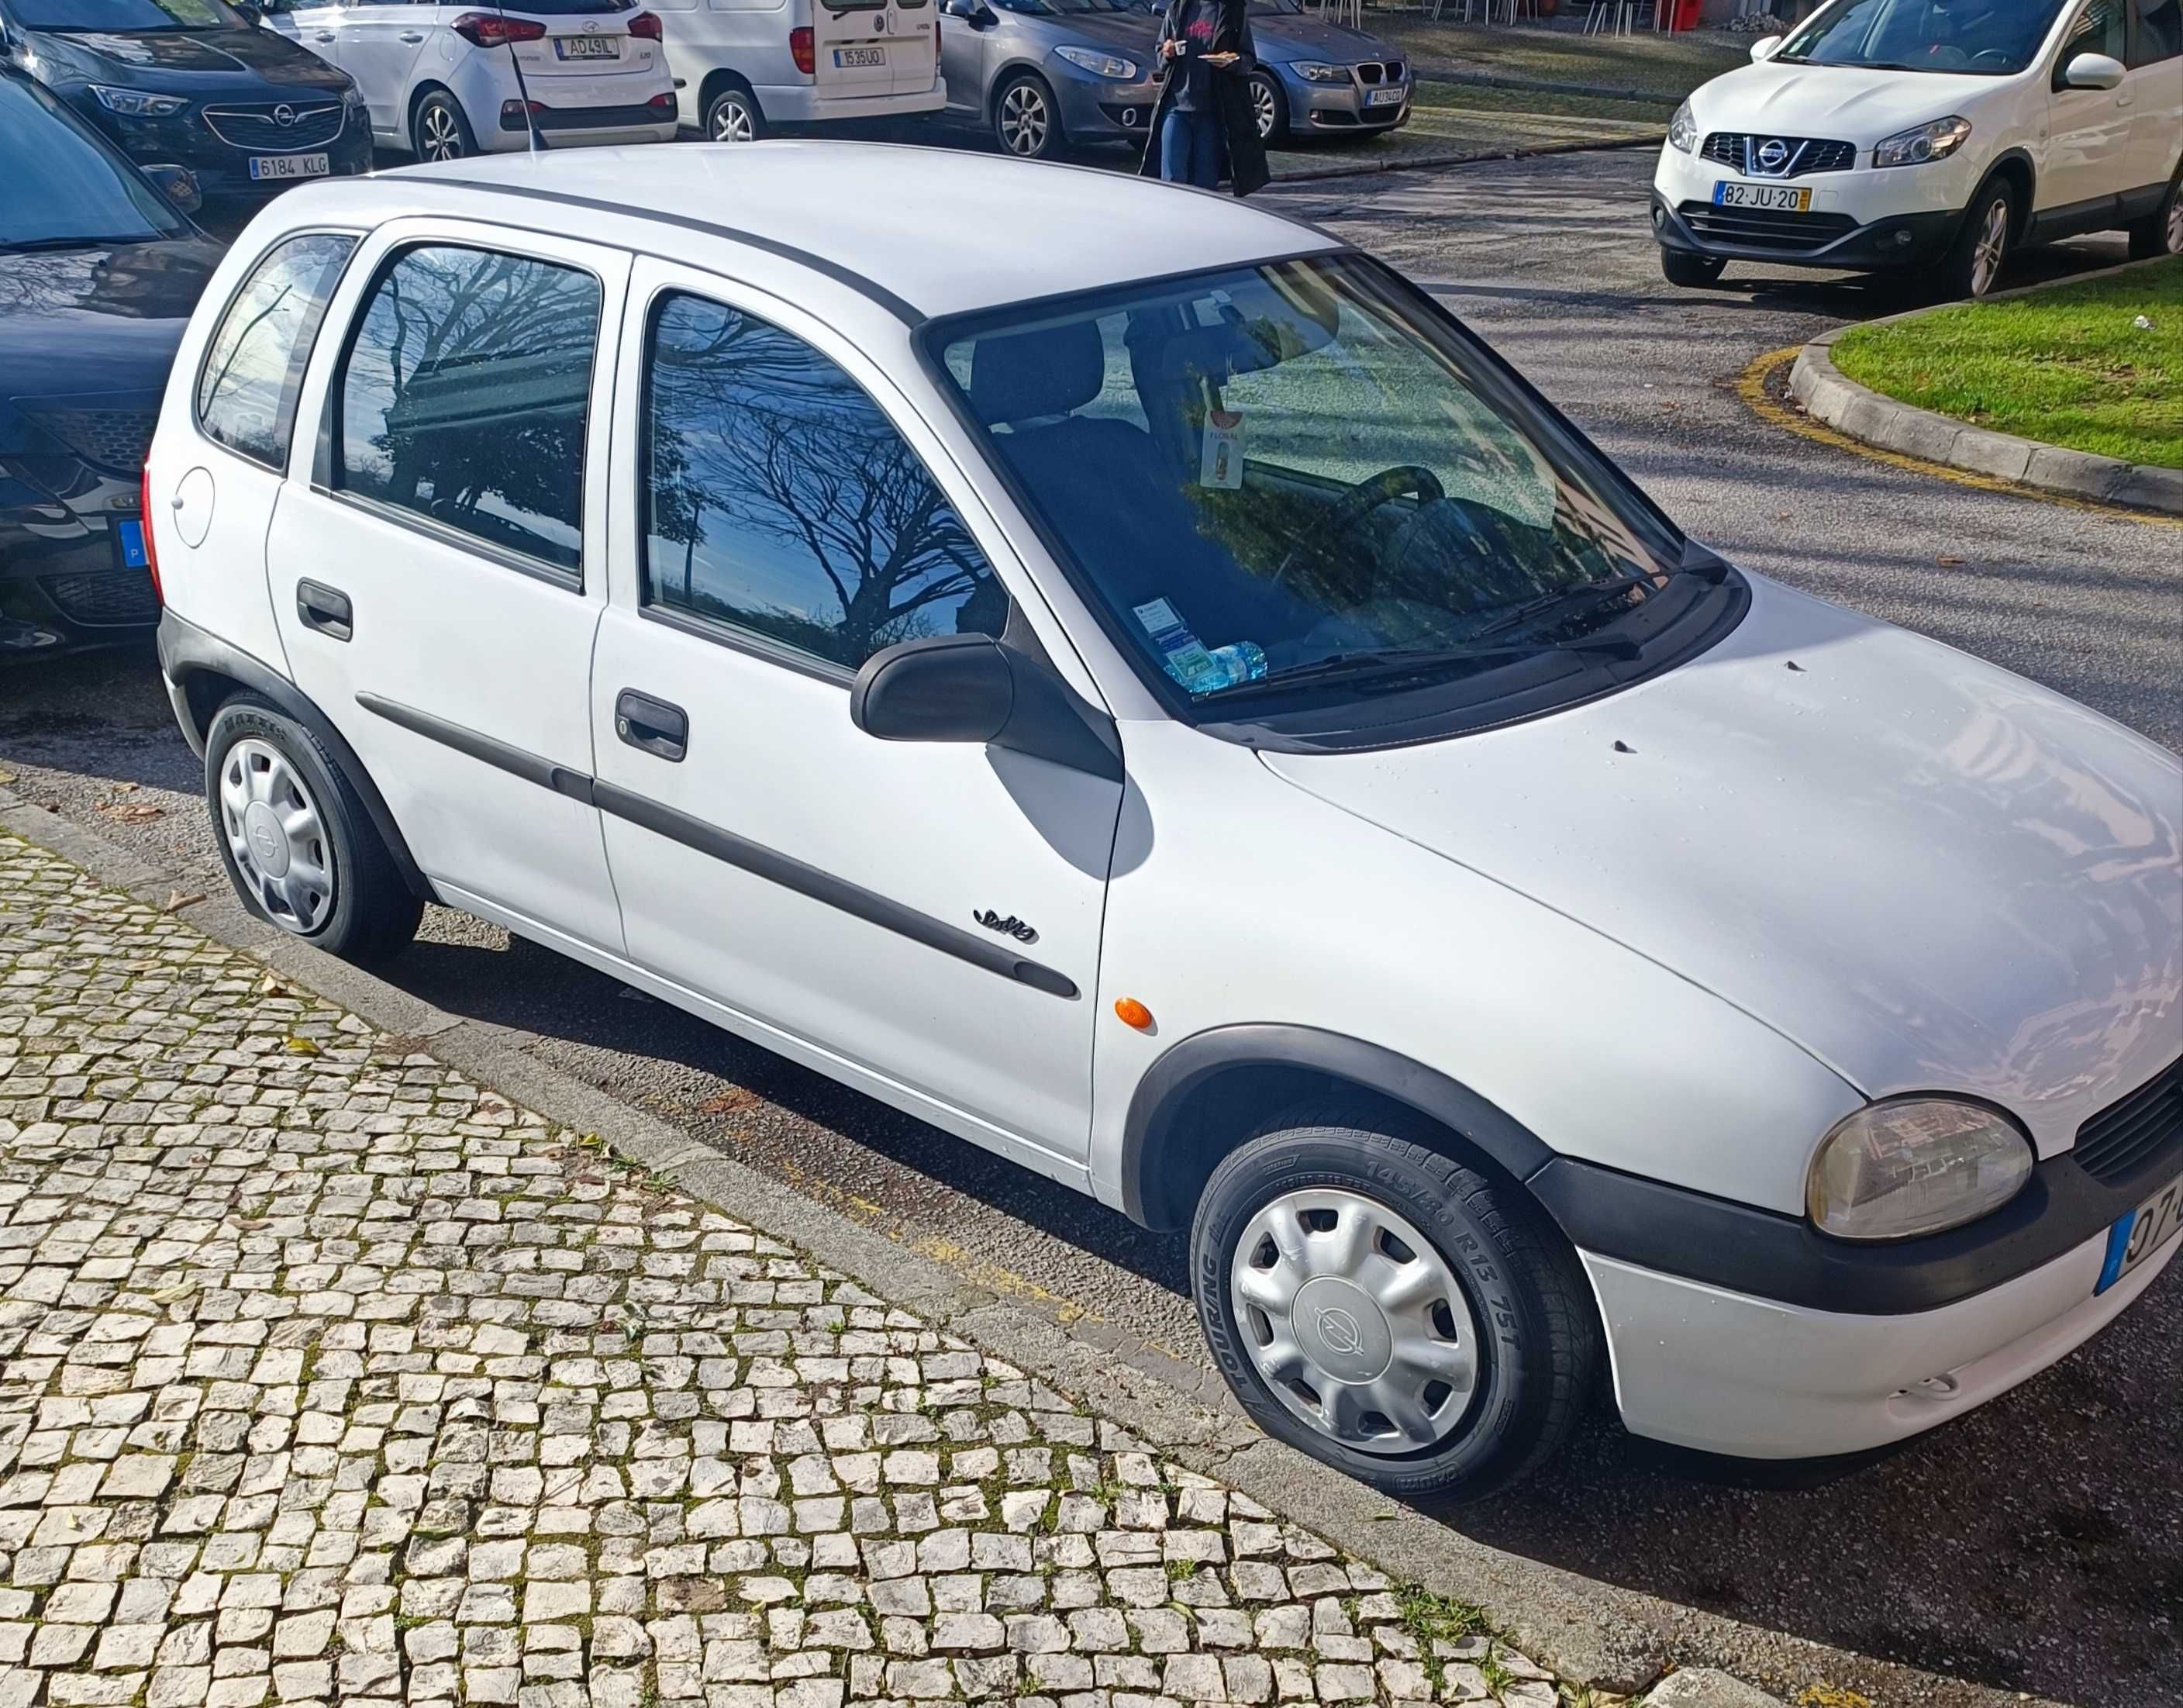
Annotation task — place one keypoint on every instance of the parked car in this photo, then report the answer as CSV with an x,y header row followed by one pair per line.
x,y
1185,714
98,272
1320,78
444,81
194,83
1903,136
1044,73
742,73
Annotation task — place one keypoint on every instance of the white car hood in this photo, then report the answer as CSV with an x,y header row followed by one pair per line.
x,y
1930,873
1834,101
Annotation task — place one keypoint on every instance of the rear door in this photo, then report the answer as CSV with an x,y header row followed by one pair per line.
x,y
315,26
438,577
381,40
2156,86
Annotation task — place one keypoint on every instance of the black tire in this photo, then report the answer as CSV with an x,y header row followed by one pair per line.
x,y
733,115
1271,106
1966,271
373,914
1027,118
1538,1339
2161,231
440,131
1692,272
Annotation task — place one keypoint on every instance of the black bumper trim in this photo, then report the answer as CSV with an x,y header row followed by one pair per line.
x,y
1870,248
1768,1256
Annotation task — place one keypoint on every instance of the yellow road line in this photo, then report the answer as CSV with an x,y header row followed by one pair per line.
x,y
1751,387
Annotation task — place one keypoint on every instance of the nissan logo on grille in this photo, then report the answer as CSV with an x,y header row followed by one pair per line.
x,y
1773,154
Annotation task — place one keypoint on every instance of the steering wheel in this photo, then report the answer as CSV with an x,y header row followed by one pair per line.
x,y
1359,503
2000,56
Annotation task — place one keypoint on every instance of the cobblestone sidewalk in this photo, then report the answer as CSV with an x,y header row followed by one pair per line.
x,y
326,1375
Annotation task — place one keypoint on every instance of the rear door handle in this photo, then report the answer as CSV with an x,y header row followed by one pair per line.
x,y
325,608
324,35
651,726
411,35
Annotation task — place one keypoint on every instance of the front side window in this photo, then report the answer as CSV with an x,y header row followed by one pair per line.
x,y
1295,480
466,396
780,501
2101,28
253,367
1994,38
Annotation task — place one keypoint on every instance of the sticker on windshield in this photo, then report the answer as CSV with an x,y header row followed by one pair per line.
x,y
1220,458
1181,653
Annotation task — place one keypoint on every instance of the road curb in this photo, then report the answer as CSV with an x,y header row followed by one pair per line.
x,y
1423,163
1828,395
1593,1633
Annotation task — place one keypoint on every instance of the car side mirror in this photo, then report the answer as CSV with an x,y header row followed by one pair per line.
x,y
250,14
2092,71
178,185
1764,48
971,689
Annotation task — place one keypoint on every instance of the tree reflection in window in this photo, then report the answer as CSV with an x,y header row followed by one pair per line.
x,y
466,396
781,500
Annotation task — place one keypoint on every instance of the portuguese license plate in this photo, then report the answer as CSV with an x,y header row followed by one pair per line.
x,y
2141,1233
1383,97
858,58
1773,198
587,48
275,168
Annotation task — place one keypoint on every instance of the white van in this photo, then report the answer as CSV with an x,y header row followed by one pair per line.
x,y
743,68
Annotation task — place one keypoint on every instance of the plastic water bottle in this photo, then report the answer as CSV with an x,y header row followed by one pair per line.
x,y
1240,661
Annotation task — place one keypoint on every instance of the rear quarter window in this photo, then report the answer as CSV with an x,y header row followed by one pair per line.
x,y
254,368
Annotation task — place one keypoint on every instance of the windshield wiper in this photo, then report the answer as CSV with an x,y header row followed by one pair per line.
x,y
1401,661
31,244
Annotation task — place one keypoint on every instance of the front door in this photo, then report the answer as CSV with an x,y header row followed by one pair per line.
x,y
438,577
2089,145
921,919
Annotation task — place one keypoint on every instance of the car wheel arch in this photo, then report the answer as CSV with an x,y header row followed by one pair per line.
x,y
424,91
718,82
1211,1091
2014,167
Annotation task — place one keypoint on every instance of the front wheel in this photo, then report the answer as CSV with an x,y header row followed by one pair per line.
x,y
440,131
2161,231
1026,122
1269,106
1694,272
1389,1309
1972,267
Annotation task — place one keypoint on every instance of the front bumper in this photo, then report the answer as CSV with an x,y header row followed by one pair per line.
x,y
1703,1367
221,168
1340,108
62,589
1099,109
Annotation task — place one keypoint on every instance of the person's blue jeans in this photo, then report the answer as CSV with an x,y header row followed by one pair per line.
x,y
1189,148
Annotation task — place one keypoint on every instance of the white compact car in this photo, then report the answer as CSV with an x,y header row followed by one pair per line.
x,y
1931,136
744,71
1190,718
443,81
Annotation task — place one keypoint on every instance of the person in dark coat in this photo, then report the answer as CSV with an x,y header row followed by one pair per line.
x,y
1203,128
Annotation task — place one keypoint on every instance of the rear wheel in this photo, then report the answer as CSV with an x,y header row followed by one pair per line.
x,y
439,131
1268,106
1680,267
2161,231
1973,266
1388,1310
733,115
1026,120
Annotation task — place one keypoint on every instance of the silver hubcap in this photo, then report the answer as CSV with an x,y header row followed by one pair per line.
x,y
2175,223
442,141
274,830
1262,103
1024,119
1992,246
732,122
1354,1321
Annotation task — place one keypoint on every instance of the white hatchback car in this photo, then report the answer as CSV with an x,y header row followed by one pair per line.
x,y
444,81
1190,718
1930,136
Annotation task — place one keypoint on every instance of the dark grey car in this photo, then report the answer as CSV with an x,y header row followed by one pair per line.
x,y
1045,73
1317,79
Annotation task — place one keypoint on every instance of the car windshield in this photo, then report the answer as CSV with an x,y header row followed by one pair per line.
x,y
1274,8
1300,476
1069,8
125,17
67,189
1994,38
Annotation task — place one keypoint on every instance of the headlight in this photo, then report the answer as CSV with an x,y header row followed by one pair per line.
x,y
1914,147
1913,1165
1316,71
1099,64
353,98
1683,129
137,104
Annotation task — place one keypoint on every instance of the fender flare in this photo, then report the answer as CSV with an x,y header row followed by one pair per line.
x,y
1166,1088
187,650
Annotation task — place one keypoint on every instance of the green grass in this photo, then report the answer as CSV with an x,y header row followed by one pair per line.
x,y
2066,366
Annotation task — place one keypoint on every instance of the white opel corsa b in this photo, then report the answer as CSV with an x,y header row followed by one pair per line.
x,y
1208,730
1932,136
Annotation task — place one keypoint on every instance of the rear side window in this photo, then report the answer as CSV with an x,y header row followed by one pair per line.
x,y
253,369
465,395
2159,32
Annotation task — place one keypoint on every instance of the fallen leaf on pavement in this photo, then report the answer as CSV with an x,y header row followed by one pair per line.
x,y
177,901
301,1046
133,812
724,1103
1946,562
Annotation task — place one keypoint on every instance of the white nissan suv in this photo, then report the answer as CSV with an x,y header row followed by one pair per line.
x,y
1930,136
1191,719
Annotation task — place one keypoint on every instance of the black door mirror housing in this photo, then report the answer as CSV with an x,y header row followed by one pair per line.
x,y
178,184
975,688
251,14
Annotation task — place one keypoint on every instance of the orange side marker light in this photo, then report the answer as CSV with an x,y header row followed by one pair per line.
x,y
1131,1012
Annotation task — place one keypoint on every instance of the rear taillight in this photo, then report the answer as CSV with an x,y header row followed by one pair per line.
x,y
493,29
661,104
799,46
151,550
645,27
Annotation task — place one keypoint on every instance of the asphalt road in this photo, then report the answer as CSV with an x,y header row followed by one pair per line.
x,y
2036,1546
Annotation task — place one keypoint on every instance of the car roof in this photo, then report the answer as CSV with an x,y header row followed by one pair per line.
x,y
927,231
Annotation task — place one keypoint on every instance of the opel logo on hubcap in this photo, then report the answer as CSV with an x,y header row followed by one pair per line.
x,y
1339,1333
